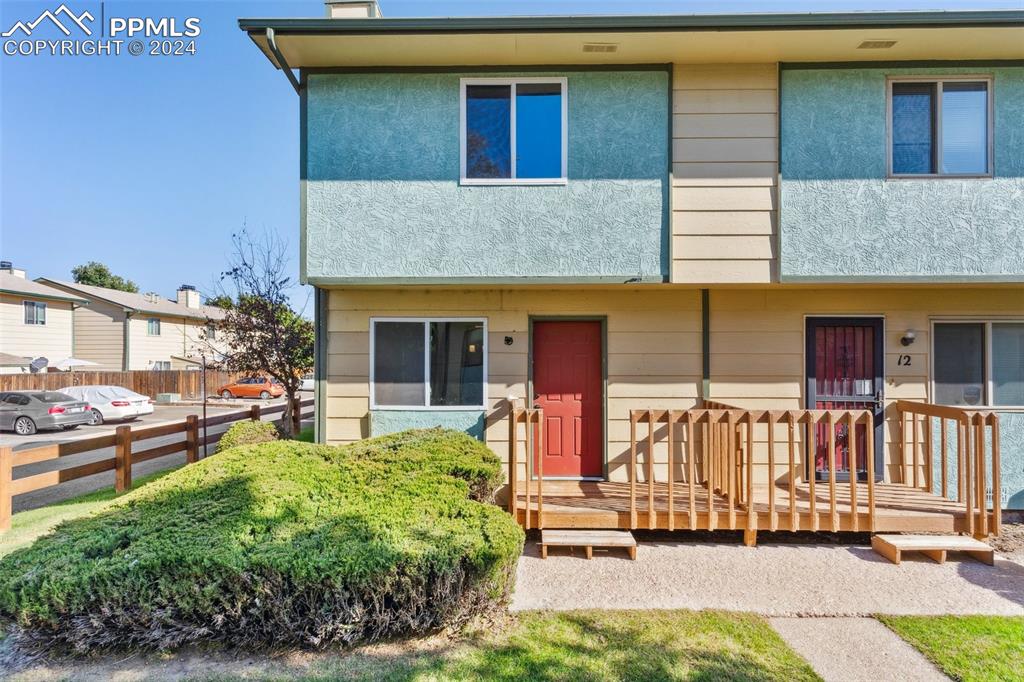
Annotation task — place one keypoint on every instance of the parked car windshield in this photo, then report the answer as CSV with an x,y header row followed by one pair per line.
x,y
51,397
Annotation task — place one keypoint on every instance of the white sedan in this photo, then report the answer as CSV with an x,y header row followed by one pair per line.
x,y
110,403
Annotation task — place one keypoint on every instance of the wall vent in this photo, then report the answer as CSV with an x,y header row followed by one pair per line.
x,y
600,47
876,44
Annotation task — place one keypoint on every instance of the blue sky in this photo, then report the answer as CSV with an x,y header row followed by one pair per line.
x,y
150,163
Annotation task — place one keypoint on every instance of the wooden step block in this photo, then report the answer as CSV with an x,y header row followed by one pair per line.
x,y
588,539
934,547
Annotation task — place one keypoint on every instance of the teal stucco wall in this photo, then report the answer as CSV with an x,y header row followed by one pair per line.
x,y
383,422
1011,470
382,199
841,218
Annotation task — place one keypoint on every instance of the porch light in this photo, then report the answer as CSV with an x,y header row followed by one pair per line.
x,y
908,337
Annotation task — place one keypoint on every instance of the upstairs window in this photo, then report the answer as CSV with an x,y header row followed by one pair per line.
x,y
940,127
153,326
427,364
35,312
514,130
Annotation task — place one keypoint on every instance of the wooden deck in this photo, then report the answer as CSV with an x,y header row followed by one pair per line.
x,y
898,507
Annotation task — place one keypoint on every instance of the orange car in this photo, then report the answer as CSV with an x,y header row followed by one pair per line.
x,y
251,387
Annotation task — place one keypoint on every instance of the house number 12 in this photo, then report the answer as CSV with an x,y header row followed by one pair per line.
x,y
903,361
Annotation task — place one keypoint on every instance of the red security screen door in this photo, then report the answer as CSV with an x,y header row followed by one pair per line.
x,y
567,385
844,372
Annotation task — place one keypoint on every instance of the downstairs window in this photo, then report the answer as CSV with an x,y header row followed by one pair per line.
x,y
427,363
979,364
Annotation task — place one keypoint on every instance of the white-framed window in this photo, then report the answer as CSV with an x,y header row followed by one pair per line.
x,y
940,127
978,363
35,312
162,365
428,363
153,326
513,131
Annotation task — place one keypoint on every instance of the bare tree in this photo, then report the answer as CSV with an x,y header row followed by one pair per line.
x,y
261,331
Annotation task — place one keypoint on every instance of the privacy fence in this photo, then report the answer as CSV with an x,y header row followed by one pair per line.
x,y
188,383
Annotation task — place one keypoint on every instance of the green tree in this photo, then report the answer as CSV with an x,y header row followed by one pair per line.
x,y
99,275
261,331
220,301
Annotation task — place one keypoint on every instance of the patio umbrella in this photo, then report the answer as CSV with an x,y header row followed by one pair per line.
x,y
72,363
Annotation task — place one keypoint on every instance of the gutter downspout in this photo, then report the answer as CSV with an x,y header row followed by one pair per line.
x,y
126,347
320,316
282,62
705,343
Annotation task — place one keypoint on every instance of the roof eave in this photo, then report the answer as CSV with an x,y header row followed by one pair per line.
x,y
48,297
688,22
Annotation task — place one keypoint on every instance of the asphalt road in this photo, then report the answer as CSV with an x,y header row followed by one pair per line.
x,y
86,484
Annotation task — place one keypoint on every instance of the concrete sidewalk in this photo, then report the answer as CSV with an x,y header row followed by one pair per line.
x,y
772,580
855,650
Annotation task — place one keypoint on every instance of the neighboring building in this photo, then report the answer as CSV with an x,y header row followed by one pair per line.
x,y
121,331
605,214
35,320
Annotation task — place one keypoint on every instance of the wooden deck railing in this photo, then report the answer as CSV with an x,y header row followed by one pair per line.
x,y
974,437
716,445
532,437
123,441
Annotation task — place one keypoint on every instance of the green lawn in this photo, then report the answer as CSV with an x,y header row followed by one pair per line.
x,y
966,647
574,645
28,525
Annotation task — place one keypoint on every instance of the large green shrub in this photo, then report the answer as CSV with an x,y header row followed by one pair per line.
x,y
281,543
247,432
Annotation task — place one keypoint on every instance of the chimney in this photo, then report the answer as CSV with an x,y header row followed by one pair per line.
x,y
352,9
7,267
188,296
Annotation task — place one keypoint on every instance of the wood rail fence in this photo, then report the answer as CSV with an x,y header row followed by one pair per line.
x,y
126,453
717,441
533,440
723,467
188,383
972,436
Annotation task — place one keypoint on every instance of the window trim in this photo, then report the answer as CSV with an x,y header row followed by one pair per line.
x,y
149,326
426,407
36,305
938,81
988,380
513,180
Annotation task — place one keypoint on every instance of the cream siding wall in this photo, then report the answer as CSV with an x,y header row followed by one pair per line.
x,y
724,173
99,335
52,340
654,361
653,350
177,338
757,343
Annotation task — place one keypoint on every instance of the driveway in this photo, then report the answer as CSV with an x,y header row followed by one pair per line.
x,y
161,415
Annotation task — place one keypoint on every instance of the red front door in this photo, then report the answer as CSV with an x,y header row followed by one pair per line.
x,y
567,385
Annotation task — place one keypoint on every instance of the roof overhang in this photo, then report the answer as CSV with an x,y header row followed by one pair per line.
x,y
44,296
509,41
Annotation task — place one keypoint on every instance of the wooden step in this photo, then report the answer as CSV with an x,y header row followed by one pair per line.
x,y
588,539
934,547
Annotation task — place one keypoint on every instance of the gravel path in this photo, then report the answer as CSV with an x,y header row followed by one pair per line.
x,y
855,649
773,580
